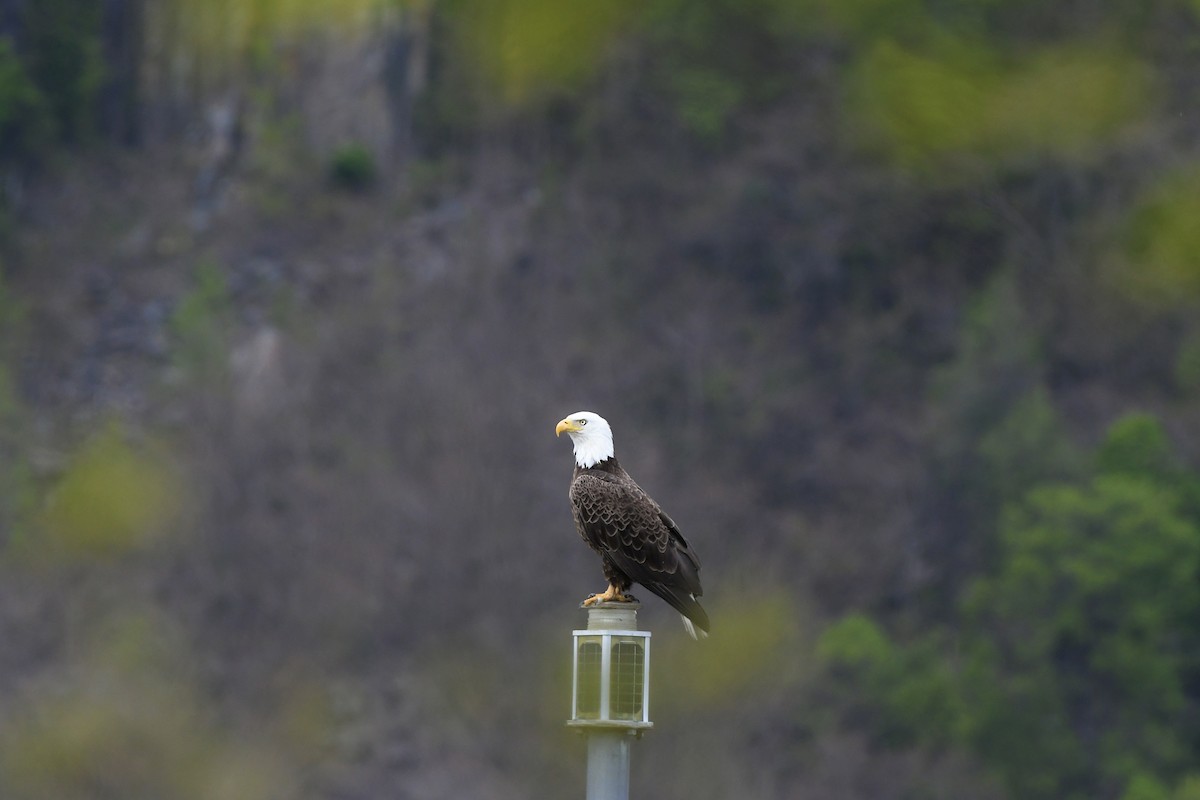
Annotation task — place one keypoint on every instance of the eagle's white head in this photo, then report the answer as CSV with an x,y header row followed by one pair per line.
x,y
591,436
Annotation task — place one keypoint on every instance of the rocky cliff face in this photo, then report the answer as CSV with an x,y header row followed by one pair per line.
x,y
327,382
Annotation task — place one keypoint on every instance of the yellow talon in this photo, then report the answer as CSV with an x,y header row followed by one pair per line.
x,y
611,595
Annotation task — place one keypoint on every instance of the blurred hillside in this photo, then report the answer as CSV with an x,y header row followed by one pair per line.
x,y
894,305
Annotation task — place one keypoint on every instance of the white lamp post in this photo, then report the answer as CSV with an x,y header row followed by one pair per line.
x,y
610,694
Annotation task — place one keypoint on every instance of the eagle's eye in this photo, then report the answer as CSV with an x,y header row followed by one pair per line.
x,y
583,422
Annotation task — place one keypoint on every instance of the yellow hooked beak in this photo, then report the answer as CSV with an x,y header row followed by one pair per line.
x,y
566,425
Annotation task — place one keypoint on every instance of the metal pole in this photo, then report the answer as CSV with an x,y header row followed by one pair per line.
x,y
608,765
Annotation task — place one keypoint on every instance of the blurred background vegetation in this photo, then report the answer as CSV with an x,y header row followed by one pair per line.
x,y
894,305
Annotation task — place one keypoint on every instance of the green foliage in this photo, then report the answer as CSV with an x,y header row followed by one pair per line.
x,y
997,431
961,101
706,59
910,688
915,107
1097,595
201,325
855,641
1027,446
1145,787
1137,446
1093,607
869,18
717,58
25,122
111,498
1161,241
526,49
50,91
1187,789
352,167
1073,669
128,721
66,62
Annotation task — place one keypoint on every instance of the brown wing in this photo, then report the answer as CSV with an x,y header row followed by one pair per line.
x,y
620,521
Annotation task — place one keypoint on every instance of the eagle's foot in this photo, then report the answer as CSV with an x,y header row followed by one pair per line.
x,y
610,595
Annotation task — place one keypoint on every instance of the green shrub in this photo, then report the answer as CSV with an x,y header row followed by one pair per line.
x,y
353,167
1145,787
1137,446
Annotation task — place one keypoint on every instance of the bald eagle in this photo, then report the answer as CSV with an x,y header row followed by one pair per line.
x,y
636,540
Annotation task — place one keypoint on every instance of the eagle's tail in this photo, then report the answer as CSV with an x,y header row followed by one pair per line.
x,y
690,627
695,618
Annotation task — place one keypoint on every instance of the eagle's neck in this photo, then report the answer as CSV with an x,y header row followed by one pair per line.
x,y
607,465
594,448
